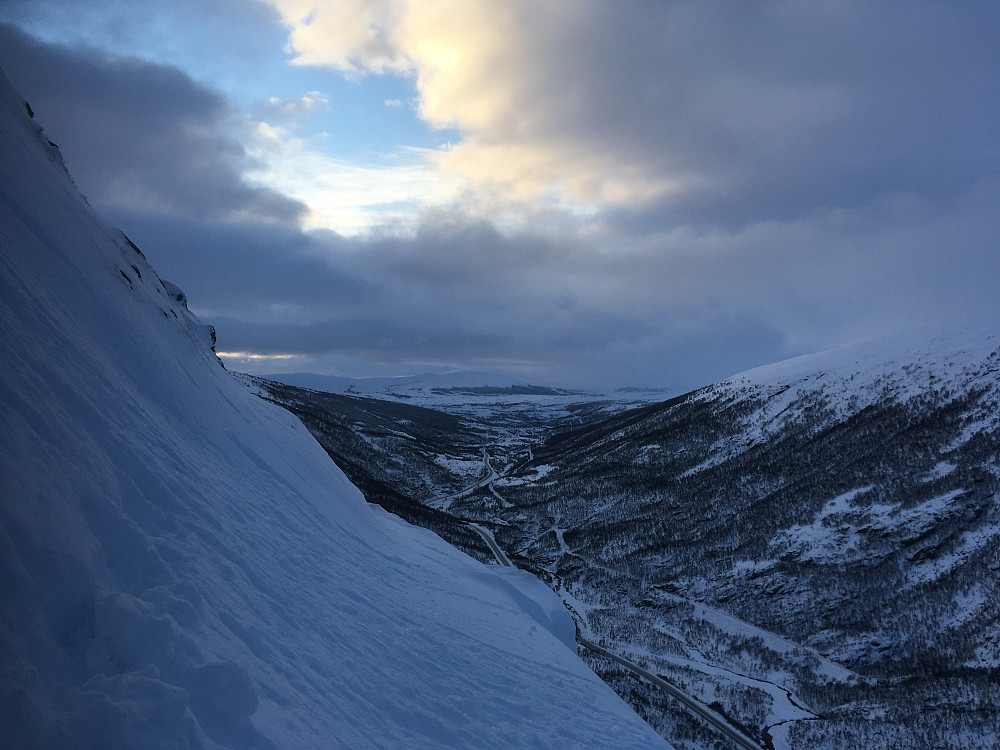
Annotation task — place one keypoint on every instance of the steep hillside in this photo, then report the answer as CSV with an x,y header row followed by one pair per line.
x,y
825,528
181,565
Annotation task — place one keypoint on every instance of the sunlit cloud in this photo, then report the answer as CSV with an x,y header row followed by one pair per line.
x,y
350,35
553,174
499,95
715,111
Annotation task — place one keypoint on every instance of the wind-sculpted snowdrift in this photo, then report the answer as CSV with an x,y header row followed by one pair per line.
x,y
182,566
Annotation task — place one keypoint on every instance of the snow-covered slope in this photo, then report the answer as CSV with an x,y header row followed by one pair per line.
x,y
899,368
182,566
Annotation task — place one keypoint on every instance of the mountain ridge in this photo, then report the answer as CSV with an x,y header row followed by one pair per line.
x,y
847,501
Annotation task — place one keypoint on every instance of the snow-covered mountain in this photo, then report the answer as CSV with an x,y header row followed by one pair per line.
x,y
814,545
182,566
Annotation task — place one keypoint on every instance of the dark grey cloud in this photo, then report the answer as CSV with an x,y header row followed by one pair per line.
x,y
460,293
767,110
456,293
139,135
245,267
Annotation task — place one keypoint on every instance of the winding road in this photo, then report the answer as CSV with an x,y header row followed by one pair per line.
x,y
498,553
696,707
491,476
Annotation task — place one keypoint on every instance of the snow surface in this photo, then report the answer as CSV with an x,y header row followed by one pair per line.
x,y
182,566
903,363
844,381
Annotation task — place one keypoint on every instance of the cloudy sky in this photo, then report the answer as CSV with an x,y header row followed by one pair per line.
x,y
576,192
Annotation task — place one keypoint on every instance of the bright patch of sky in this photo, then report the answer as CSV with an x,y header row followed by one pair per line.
x,y
344,194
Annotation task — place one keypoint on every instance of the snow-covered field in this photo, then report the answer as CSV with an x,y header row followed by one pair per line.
x,y
182,566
